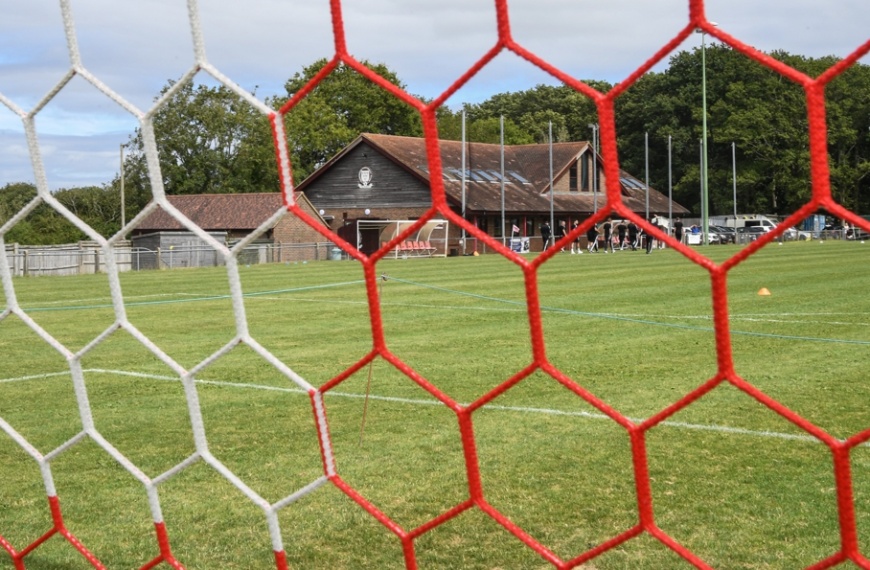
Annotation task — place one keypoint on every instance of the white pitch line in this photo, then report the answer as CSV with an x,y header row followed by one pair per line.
x,y
395,304
33,377
107,300
760,318
415,402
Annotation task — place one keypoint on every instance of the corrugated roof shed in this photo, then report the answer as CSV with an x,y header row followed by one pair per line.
x,y
231,212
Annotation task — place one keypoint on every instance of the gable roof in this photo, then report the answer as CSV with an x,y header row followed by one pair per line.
x,y
231,212
526,168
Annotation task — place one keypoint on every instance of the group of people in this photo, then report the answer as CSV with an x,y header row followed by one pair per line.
x,y
628,235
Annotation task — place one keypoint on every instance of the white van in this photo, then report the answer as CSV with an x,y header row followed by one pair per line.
x,y
762,223
768,223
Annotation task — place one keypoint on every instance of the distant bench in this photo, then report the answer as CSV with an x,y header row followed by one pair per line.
x,y
410,248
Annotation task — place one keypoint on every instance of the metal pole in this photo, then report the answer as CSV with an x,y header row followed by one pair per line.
x,y
501,122
734,176
552,218
595,167
646,170
705,198
123,209
701,149
463,179
670,188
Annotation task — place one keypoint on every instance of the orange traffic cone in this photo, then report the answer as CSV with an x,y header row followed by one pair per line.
x,y
764,291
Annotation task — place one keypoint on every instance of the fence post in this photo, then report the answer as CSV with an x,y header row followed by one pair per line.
x,y
26,264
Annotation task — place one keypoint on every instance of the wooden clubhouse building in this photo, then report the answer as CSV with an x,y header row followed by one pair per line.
x,y
386,178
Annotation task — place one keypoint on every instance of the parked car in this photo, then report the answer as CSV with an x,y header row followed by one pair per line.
x,y
793,234
726,235
713,235
751,233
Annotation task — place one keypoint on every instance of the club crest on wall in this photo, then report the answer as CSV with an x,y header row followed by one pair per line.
x,y
365,177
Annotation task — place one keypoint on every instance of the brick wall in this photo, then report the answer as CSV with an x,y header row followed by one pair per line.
x,y
290,232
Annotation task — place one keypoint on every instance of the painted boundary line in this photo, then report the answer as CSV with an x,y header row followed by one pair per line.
x,y
518,306
415,402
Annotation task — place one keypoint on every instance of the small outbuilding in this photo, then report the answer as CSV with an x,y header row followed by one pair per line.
x,y
162,241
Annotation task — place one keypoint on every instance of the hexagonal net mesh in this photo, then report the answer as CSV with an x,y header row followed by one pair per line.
x,y
637,431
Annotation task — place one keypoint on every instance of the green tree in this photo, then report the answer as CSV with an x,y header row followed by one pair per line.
x,y
44,225
211,141
336,111
532,110
759,110
14,197
484,130
99,207
848,114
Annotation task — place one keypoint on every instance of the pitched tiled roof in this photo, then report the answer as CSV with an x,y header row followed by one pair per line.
x,y
527,174
217,211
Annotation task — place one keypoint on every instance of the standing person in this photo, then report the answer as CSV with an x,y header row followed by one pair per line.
x,y
560,233
545,235
661,243
678,230
649,237
632,235
620,233
575,245
592,238
608,235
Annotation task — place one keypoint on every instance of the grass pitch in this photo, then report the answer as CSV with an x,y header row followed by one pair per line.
x,y
733,481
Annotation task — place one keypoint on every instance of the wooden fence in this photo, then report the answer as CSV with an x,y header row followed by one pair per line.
x,y
88,257
66,259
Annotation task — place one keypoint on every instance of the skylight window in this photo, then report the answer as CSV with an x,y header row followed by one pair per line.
x,y
514,174
497,175
485,175
632,183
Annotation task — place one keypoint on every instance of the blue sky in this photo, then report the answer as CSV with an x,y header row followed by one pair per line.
x,y
136,46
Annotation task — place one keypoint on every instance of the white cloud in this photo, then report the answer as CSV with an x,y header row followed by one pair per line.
x,y
136,47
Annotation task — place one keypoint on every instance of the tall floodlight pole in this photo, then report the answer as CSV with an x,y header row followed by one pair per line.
x,y
646,170
670,187
705,196
701,149
594,127
503,227
463,179
734,177
123,209
552,218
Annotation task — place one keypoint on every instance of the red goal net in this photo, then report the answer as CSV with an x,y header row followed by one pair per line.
x,y
466,413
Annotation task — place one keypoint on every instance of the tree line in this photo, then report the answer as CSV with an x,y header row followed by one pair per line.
x,y
211,141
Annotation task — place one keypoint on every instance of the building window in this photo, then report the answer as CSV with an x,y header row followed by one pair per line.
x,y
572,178
584,175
